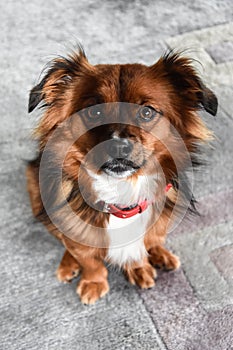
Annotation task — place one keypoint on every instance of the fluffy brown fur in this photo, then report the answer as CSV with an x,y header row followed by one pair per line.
x,y
70,85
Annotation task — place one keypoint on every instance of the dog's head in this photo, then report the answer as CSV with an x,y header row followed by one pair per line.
x,y
122,116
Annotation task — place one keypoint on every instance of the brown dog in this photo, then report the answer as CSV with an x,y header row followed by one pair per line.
x,y
115,142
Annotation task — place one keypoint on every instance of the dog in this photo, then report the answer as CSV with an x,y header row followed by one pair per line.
x,y
115,144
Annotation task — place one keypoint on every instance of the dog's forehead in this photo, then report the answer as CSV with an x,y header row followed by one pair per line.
x,y
127,83
127,70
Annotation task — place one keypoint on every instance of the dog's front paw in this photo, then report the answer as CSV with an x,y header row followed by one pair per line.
x,y
162,258
89,291
143,276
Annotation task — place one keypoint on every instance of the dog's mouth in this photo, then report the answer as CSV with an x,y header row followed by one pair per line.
x,y
120,167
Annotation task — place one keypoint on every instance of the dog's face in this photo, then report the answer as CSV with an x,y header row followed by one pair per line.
x,y
119,138
122,116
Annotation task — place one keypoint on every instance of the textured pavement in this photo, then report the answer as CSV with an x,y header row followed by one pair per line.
x,y
191,309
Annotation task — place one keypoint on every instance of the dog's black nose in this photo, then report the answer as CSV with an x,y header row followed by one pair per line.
x,y
119,148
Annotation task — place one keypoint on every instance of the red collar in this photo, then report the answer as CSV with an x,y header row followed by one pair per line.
x,y
125,213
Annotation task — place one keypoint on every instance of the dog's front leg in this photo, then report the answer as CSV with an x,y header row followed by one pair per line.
x,y
141,273
93,283
154,243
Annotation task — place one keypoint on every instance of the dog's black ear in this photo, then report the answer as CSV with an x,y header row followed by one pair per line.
x,y
36,96
180,72
60,73
208,100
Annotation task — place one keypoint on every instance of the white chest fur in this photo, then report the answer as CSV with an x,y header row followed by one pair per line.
x,y
127,238
126,235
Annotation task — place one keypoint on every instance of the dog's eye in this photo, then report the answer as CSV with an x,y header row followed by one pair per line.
x,y
94,112
147,113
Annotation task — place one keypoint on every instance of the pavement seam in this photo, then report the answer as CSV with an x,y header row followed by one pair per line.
x,y
161,341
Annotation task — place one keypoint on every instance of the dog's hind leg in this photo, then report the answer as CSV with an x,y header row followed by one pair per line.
x,y
68,268
32,174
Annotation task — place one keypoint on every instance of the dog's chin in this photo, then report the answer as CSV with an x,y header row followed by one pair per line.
x,y
120,168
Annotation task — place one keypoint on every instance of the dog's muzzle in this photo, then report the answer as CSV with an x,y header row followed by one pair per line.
x,y
119,164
